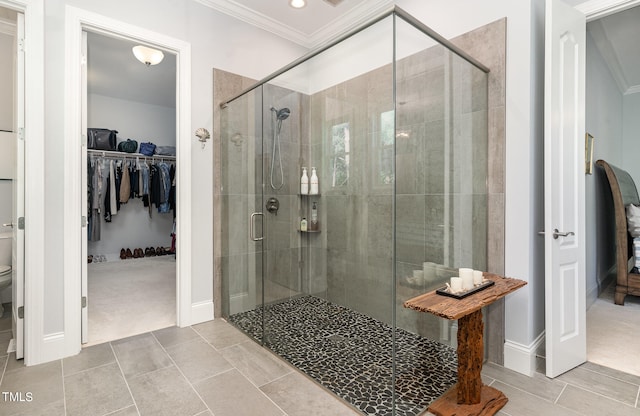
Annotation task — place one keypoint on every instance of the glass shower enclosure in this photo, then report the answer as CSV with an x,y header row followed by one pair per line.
x,y
393,121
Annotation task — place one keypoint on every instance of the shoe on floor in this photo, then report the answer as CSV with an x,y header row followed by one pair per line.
x,y
123,254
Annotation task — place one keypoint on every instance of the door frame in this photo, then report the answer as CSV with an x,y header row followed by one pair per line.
x,y
76,21
33,267
595,9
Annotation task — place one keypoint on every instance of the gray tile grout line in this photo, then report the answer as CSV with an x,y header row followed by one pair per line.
x,y
614,377
89,369
113,351
64,390
4,368
116,411
560,394
234,368
181,373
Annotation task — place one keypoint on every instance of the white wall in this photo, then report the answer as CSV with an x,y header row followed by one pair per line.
x,y
6,80
604,115
132,227
524,176
216,41
133,120
631,135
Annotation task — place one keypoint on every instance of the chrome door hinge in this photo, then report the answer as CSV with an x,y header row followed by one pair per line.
x,y
83,221
21,312
84,301
84,140
21,223
21,44
21,133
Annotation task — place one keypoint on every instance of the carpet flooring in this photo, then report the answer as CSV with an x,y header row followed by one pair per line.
x,y
130,297
351,354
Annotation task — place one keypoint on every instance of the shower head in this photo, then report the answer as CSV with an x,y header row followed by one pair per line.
x,y
281,114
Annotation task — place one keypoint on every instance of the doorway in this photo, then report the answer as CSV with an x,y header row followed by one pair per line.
x,y
12,180
130,239
75,256
613,86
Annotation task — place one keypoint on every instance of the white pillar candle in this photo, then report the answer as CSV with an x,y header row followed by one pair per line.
x,y
467,278
477,277
456,284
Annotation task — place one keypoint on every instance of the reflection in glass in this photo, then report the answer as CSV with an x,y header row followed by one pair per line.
x,y
340,147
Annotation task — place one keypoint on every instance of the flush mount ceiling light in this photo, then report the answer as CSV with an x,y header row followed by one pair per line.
x,y
148,56
297,4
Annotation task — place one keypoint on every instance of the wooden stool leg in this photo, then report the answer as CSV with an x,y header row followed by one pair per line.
x,y
470,356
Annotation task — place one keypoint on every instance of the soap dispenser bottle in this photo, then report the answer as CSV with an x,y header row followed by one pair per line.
x,y
314,217
314,189
304,182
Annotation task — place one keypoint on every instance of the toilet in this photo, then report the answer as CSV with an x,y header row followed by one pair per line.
x,y
5,264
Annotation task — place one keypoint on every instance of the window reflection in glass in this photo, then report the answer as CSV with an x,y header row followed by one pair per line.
x,y
387,133
340,154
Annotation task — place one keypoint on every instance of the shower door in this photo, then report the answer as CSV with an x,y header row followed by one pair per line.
x,y
242,217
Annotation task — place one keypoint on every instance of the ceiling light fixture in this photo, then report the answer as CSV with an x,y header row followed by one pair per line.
x,y
148,56
297,4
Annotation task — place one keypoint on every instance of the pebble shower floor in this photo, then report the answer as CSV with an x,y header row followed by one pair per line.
x,y
351,354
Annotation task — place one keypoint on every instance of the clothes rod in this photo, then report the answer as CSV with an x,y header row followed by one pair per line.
x,y
124,155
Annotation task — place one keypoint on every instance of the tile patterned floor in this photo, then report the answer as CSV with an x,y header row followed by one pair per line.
x,y
350,354
214,369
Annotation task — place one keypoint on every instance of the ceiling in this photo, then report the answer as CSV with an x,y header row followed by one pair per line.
x,y
617,38
113,70
309,26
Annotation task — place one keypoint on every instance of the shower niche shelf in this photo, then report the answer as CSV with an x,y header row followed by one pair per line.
x,y
309,195
309,231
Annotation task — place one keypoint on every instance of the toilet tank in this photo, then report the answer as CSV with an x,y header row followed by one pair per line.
x,y
5,247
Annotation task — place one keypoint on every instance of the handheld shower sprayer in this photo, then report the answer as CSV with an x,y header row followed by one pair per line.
x,y
280,115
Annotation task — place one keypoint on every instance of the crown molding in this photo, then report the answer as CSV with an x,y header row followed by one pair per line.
x,y
604,46
247,15
632,90
354,17
7,27
595,9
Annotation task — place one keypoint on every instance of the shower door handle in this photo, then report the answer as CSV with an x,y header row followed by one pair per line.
x,y
252,224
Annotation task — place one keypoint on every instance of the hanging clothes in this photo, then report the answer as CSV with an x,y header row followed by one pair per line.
x,y
113,196
125,185
112,182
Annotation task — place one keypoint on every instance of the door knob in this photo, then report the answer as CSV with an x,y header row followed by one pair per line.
x,y
8,225
557,233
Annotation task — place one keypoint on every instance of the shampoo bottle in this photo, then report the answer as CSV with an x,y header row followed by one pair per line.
x,y
314,189
303,225
304,182
314,217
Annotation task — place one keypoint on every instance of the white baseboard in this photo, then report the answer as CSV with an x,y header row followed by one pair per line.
x,y
201,312
522,358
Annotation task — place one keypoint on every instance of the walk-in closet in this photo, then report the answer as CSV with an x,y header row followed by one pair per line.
x,y
131,194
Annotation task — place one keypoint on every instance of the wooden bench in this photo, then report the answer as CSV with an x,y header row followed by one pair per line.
x,y
624,192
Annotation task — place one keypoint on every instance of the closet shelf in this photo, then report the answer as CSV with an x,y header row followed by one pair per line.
x,y
124,155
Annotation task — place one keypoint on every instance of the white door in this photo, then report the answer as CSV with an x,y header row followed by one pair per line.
x,y
84,325
564,131
17,260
